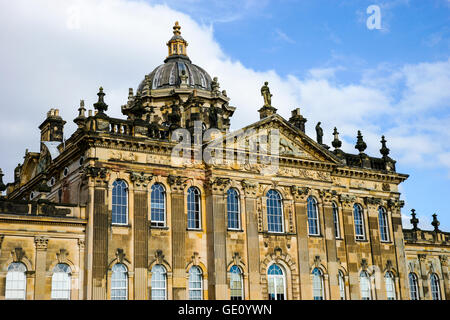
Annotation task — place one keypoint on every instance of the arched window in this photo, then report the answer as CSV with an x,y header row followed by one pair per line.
x,y
337,231
159,280
435,289
236,284
119,202
382,220
390,285
119,282
364,283
359,222
317,284
195,283
274,211
276,282
313,217
16,281
158,205
233,209
341,281
193,206
413,287
61,282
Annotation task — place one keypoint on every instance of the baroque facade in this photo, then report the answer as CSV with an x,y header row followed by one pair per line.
x,y
109,214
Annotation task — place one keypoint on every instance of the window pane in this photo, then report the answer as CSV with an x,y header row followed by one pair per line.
x,y
158,283
193,204
365,286
317,284
119,282
16,281
359,222
236,285
195,283
336,221
382,219
390,286
274,211
313,219
413,289
341,285
435,289
233,209
276,283
158,205
119,202
61,282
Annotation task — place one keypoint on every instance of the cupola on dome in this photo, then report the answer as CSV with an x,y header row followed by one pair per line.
x,y
177,69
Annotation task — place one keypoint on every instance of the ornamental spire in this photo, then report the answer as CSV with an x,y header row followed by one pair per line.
x,y
177,45
336,142
360,144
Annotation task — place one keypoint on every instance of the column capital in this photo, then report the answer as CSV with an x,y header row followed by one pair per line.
x,y
347,200
300,193
217,185
177,183
140,179
250,188
41,242
327,196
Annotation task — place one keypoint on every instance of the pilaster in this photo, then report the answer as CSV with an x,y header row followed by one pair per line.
x,y
41,245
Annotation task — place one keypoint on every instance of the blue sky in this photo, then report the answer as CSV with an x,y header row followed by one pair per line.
x,y
317,55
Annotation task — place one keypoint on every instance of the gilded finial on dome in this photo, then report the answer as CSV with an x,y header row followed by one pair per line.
x,y
177,45
176,29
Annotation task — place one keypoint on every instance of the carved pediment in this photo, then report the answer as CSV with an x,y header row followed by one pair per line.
x,y
263,137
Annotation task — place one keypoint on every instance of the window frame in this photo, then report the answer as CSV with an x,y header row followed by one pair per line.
x,y
413,283
120,205
61,268
341,283
10,292
383,224
360,237
336,221
158,281
273,277
269,205
158,223
313,208
369,285
114,281
389,275
435,284
241,281
237,212
191,289
317,278
197,195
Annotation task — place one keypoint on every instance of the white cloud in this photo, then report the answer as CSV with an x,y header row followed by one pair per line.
x,y
46,63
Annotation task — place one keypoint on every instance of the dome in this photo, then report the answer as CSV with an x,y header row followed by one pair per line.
x,y
177,69
171,73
